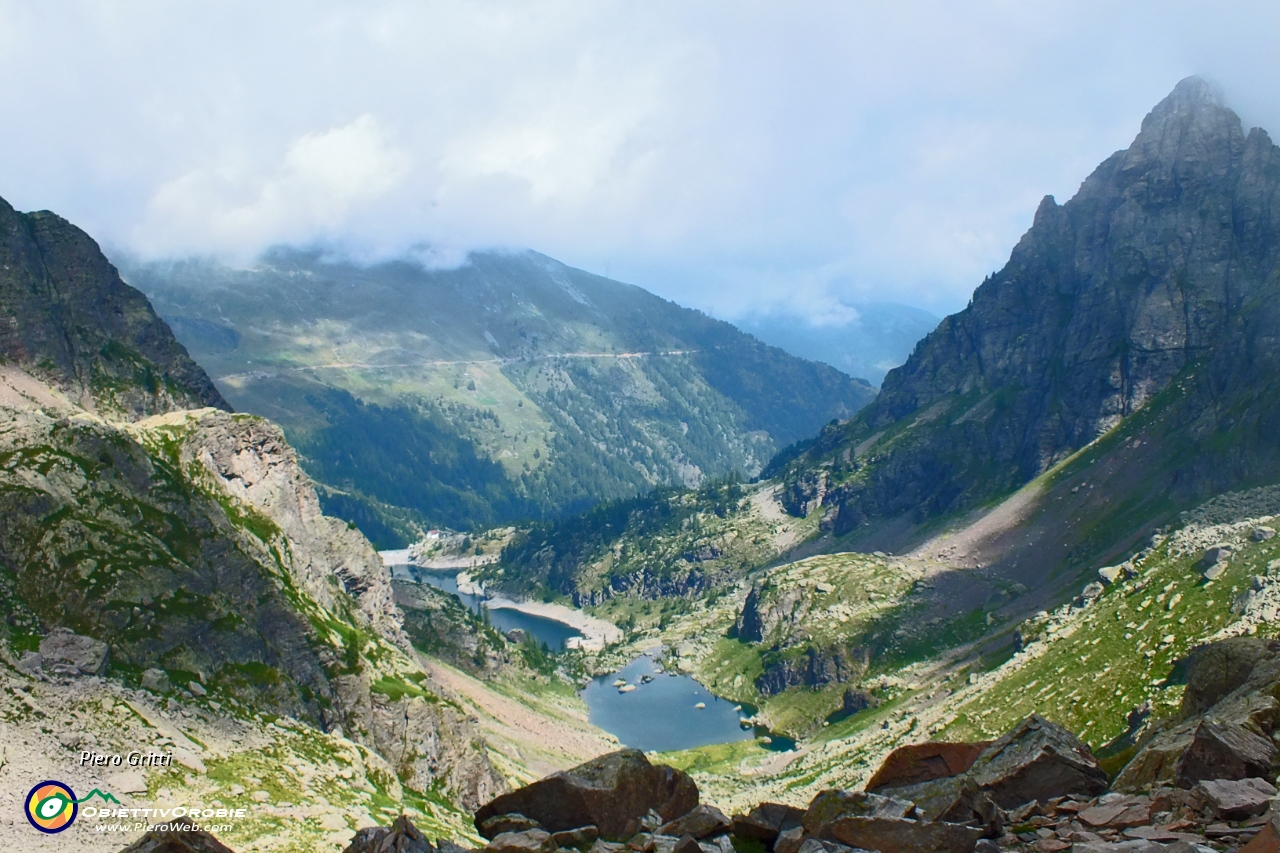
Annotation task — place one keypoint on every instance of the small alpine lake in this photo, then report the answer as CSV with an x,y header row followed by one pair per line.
x,y
663,713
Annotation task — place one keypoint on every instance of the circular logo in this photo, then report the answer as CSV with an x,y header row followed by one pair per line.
x,y
51,806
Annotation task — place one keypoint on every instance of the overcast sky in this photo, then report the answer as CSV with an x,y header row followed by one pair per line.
x,y
733,156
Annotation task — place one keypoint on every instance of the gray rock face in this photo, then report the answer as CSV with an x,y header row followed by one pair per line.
x,y
81,655
1167,254
249,459
77,325
609,792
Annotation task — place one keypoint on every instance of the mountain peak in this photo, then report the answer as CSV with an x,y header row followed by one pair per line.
x,y
1193,101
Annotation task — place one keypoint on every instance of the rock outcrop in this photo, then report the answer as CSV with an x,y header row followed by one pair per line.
x,y
1228,716
401,837
248,460
71,321
812,666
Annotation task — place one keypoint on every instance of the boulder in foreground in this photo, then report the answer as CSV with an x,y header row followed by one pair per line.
x,y
1037,760
889,825
767,821
608,793
924,762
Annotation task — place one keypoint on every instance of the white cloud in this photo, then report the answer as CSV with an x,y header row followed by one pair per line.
x,y
732,155
311,193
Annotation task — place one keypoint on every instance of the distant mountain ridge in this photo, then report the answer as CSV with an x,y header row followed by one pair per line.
x,y
511,387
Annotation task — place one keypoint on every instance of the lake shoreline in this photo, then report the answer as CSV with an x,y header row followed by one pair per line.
x,y
596,633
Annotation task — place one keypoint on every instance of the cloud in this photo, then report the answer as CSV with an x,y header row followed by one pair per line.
x,y
736,156
312,193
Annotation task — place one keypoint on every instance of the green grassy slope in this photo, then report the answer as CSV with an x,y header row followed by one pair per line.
x,y
578,389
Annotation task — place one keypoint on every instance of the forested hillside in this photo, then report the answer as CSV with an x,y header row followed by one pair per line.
x,y
512,387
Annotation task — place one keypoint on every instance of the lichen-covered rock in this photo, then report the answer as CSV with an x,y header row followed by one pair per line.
x,y
609,792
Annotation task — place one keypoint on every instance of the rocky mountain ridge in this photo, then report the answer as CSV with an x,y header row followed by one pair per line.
x,y
71,321
1153,290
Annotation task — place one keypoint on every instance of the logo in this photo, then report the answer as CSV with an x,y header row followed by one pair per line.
x,y
52,806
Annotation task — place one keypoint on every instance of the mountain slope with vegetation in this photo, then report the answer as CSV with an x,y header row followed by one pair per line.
x,y
165,567
511,387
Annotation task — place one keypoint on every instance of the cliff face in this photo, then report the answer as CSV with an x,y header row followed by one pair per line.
x,y
67,318
1166,258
